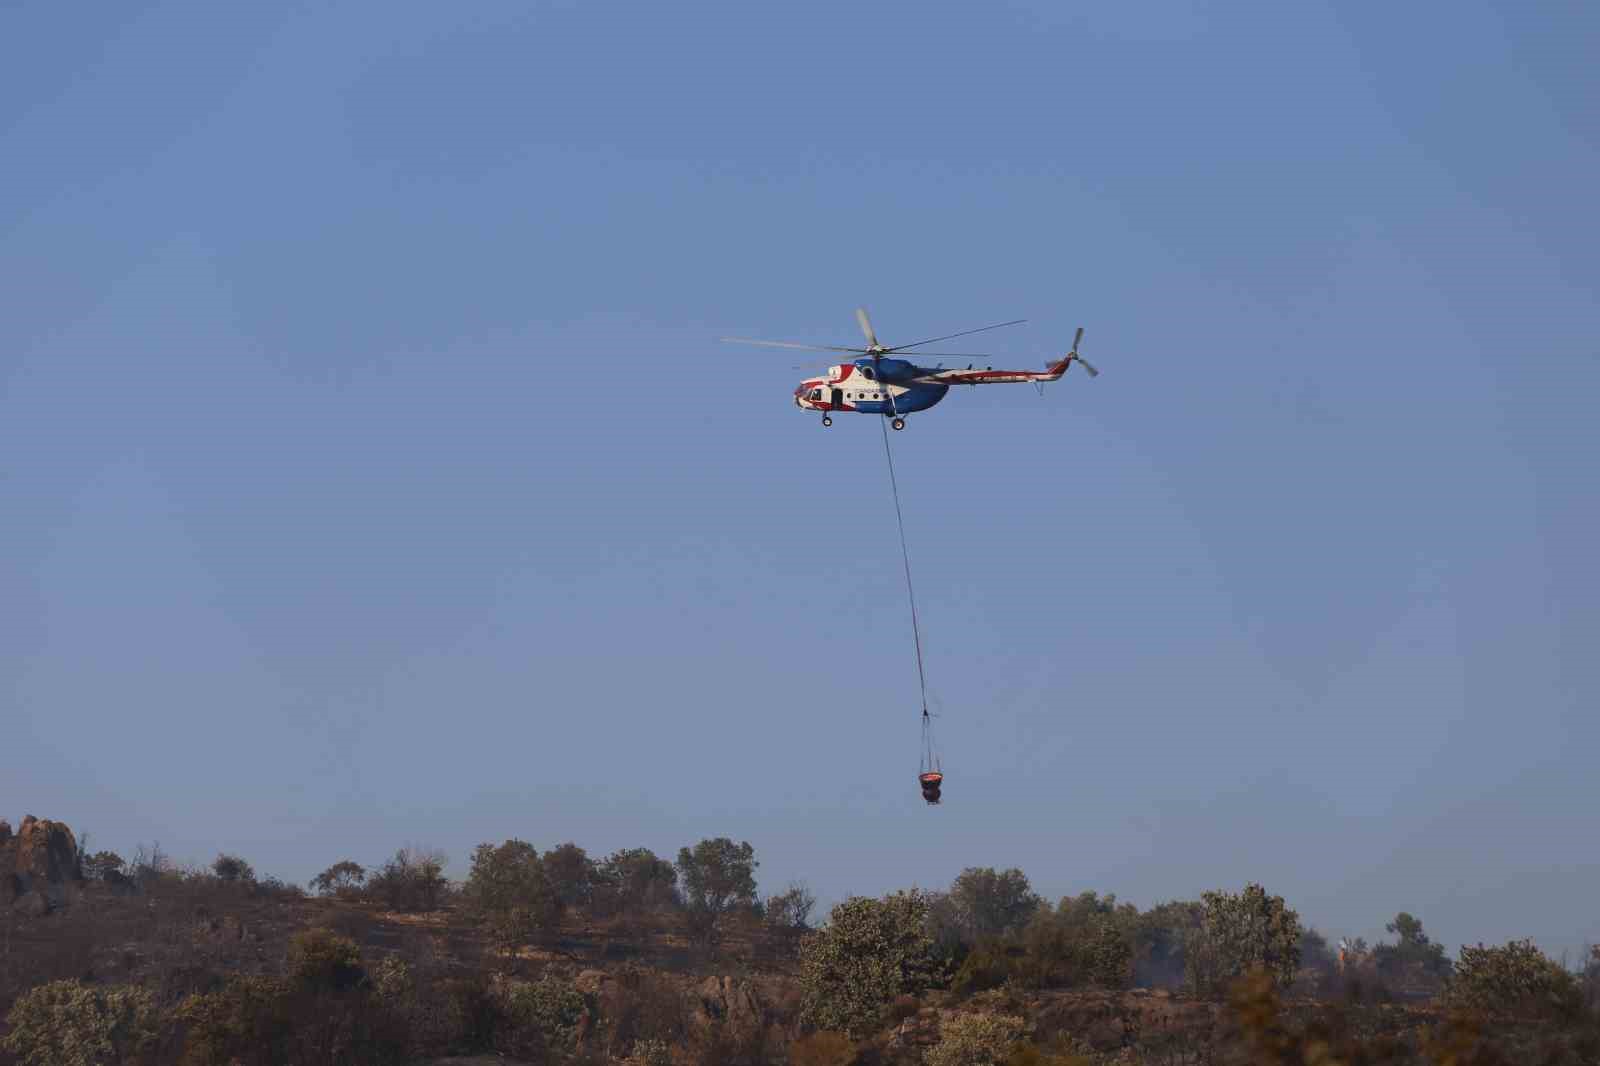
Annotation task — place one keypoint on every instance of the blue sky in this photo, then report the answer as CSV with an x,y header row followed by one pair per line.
x,y
370,472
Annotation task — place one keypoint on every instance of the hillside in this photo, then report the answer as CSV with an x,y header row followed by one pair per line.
x,y
219,966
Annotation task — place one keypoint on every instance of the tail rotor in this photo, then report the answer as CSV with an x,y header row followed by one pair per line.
x,y
1091,371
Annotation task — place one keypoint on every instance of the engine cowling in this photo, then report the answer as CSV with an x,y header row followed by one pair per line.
x,y
892,371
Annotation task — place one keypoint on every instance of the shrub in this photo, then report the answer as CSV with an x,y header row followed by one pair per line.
x,y
1412,954
656,1053
1517,979
791,908
96,867
640,1005
231,868
1029,1055
543,1014
872,951
1241,932
247,1020
825,1048
64,1023
975,1040
411,881
392,980
322,959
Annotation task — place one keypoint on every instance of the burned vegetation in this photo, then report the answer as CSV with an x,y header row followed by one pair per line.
x,y
554,956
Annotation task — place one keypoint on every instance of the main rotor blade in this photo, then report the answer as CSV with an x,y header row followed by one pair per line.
x,y
792,344
952,355
951,336
866,327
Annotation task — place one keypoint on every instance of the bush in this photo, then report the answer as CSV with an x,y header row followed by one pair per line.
x,y
652,1053
975,1040
231,868
98,866
321,959
248,1020
872,951
543,1015
1413,955
640,1005
791,908
1515,980
1242,932
64,1023
825,1048
411,881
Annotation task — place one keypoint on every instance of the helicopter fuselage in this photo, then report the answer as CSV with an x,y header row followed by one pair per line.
x,y
896,387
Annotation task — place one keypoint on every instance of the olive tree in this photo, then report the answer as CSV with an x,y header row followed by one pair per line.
x,y
871,951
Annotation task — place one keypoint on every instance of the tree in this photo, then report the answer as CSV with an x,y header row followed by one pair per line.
x,y
716,875
342,879
990,904
1159,937
791,908
509,889
231,868
570,873
96,867
871,951
635,879
1591,978
1412,951
1087,939
1243,931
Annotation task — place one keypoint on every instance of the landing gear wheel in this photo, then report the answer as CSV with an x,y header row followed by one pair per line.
x,y
827,420
898,423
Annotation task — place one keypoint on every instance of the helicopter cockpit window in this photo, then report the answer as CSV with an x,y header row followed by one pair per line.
x,y
816,394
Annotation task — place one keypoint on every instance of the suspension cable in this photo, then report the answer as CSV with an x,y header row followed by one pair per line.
x,y
929,756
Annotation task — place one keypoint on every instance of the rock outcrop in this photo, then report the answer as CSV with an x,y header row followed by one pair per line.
x,y
37,864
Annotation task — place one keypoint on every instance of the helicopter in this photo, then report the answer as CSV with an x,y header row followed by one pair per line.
x,y
878,383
